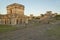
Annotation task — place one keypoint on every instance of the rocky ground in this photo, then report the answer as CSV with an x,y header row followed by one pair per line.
x,y
31,32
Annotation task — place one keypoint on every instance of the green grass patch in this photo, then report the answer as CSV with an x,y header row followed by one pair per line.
x,y
54,32
57,17
6,28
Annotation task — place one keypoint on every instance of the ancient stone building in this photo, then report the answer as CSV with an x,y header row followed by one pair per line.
x,y
15,15
47,17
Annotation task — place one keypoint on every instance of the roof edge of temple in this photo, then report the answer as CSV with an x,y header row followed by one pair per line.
x,y
15,4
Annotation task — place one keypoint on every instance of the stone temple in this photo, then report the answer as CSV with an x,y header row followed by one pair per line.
x,y
15,15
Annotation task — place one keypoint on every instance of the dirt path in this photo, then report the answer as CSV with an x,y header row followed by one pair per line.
x,y
29,33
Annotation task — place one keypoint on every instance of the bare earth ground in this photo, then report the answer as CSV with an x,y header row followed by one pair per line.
x,y
31,32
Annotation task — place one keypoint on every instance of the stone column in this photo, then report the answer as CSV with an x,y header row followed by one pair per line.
x,y
22,21
0,21
26,21
13,21
3,21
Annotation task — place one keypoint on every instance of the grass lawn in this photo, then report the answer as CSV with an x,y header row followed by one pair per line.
x,y
54,32
6,28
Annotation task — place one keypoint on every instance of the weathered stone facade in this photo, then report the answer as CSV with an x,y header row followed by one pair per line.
x,y
48,17
15,15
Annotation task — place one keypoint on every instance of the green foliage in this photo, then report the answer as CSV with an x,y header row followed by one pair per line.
x,y
57,17
6,28
54,32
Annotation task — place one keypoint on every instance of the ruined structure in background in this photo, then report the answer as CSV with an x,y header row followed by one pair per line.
x,y
15,15
48,17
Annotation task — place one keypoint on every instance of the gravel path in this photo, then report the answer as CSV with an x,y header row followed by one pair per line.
x,y
29,33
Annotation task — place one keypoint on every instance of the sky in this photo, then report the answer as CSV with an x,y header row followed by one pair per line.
x,y
35,7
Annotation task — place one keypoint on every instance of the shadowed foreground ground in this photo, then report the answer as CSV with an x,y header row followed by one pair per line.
x,y
32,32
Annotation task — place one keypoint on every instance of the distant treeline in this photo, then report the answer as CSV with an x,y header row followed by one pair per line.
x,y
57,17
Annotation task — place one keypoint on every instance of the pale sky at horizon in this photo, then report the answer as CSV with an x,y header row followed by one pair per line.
x,y
35,7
